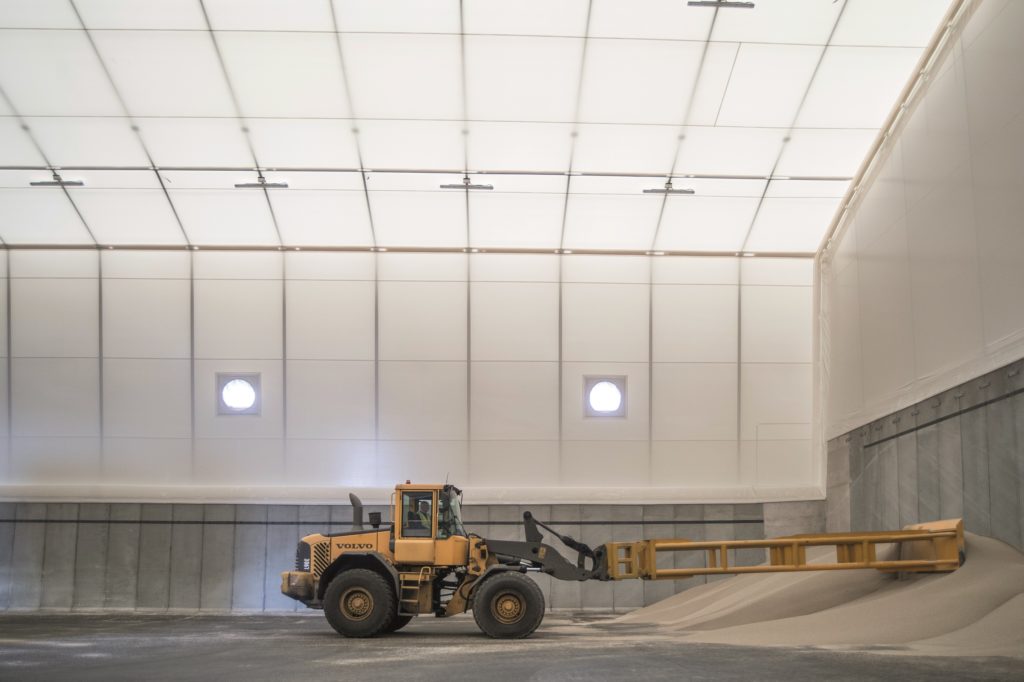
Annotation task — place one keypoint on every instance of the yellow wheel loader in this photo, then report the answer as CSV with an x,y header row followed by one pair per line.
x,y
373,582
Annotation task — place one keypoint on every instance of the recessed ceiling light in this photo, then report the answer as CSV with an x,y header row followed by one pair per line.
x,y
57,181
261,183
720,3
668,189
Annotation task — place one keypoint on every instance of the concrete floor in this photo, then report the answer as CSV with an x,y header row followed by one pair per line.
x,y
164,647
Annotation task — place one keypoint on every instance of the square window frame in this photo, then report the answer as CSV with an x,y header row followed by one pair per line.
x,y
223,378
589,381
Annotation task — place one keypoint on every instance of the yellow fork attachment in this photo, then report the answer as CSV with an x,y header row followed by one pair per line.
x,y
925,547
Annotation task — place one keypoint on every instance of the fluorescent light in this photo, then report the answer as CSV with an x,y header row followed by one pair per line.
x,y
57,181
466,184
668,189
261,183
720,3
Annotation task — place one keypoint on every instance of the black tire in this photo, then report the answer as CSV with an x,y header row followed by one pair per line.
x,y
359,603
508,605
398,623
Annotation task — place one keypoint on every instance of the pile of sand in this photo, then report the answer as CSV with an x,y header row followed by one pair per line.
x,y
976,610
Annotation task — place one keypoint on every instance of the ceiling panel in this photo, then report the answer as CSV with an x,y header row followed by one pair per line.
x,y
791,225
729,151
399,16
807,188
638,81
661,19
303,143
322,217
66,63
16,148
88,141
767,84
525,17
412,144
521,212
625,149
808,22
610,213
705,223
511,78
126,207
825,152
907,23
404,76
166,73
214,212
520,146
269,15
37,14
715,72
37,215
856,87
285,74
202,142
411,209
171,15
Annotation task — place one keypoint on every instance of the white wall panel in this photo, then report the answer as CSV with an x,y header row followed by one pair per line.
x,y
268,424
330,265
422,400
422,461
422,320
237,265
54,318
694,401
783,462
152,461
330,320
605,322
422,267
514,321
505,464
777,324
332,462
146,318
330,400
605,464
773,395
695,323
514,401
695,270
43,460
238,319
147,398
777,271
577,426
54,264
55,397
601,269
693,464
499,267
239,461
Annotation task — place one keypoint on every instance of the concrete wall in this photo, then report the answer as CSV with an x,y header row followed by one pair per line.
x,y
212,557
922,285
958,454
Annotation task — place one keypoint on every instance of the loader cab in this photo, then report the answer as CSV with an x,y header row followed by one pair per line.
x,y
429,528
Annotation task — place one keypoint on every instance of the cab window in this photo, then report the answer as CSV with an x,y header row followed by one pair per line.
x,y
418,507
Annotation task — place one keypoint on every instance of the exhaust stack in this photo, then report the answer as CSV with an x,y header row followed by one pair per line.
x,y
357,512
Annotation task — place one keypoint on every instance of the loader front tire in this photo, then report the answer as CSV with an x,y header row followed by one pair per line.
x,y
360,603
508,606
398,623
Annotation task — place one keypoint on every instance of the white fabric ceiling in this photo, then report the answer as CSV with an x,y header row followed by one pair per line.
x,y
569,109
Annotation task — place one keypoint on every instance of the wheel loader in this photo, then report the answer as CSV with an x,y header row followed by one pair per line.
x,y
373,582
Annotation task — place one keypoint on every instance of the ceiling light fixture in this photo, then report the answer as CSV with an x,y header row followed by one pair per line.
x,y
57,181
261,183
668,189
466,184
720,3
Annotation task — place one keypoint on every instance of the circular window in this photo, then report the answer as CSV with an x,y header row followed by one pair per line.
x,y
604,396
238,394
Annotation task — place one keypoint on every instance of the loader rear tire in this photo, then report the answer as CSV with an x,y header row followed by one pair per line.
x,y
360,603
508,606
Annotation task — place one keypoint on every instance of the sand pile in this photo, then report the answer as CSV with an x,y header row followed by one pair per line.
x,y
976,610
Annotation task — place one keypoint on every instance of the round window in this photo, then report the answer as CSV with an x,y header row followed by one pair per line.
x,y
604,396
238,394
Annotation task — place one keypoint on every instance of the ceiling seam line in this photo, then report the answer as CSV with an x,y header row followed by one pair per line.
x,y
792,127
574,135
131,120
350,102
681,136
240,117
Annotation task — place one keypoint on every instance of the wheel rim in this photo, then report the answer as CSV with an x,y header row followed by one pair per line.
x,y
508,607
356,603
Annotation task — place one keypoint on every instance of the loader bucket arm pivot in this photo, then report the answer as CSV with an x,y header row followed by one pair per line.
x,y
534,554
